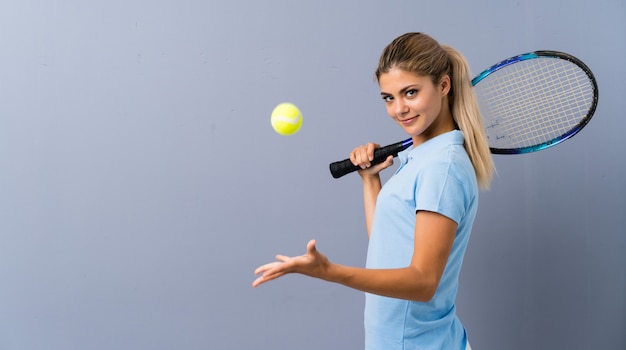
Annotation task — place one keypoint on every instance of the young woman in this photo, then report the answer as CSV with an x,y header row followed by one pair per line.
x,y
419,223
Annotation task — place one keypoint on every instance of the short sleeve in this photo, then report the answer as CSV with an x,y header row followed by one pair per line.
x,y
442,190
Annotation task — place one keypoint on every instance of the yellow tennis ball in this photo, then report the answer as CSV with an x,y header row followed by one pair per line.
x,y
286,119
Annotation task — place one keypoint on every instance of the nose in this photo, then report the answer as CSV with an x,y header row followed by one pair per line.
x,y
400,107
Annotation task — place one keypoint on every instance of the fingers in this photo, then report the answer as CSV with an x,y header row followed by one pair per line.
x,y
266,267
388,162
273,270
282,266
268,272
266,277
282,258
362,156
310,247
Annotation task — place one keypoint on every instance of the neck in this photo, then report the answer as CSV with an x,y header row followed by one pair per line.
x,y
443,124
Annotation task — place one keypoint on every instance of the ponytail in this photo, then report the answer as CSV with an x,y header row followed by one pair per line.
x,y
467,116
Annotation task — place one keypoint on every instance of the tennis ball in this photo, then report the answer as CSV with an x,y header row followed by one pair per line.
x,y
286,119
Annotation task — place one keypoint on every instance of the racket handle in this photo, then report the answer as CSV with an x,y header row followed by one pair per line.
x,y
344,167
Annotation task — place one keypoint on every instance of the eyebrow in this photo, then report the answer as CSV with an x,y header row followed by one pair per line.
x,y
402,91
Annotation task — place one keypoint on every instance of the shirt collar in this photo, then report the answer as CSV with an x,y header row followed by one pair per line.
x,y
454,137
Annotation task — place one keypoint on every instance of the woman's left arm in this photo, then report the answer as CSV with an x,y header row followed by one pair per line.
x,y
434,236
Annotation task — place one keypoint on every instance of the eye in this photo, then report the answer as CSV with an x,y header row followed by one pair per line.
x,y
387,98
411,93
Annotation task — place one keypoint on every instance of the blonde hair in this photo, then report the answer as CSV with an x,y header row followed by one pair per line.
x,y
420,54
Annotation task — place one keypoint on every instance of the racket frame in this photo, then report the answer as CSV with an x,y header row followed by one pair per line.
x,y
550,54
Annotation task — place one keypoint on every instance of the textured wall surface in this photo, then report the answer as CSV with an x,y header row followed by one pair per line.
x,y
141,182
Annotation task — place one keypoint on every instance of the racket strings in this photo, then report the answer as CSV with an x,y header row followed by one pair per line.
x,y
533,102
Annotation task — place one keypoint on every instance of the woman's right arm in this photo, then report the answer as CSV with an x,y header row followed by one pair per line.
x,y
362,157
371,187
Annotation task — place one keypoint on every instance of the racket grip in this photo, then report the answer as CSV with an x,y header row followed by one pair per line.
x,y
344,167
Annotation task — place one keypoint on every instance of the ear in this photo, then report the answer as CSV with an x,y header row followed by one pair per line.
x,y
444,85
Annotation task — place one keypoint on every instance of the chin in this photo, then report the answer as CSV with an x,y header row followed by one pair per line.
x,y
413,131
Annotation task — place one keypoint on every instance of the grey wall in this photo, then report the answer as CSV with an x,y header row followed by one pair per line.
x,y
141,182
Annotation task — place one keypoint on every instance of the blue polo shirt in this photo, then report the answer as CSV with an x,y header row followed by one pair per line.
x,y
435,176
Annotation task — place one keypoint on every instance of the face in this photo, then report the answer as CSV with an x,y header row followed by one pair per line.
x,y
416,104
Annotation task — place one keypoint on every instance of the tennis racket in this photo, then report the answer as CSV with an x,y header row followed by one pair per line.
x,y
528,102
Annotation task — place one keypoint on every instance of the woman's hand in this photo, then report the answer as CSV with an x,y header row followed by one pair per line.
x,y
363,156
313,264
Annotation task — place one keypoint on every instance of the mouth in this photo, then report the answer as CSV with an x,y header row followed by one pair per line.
x,y
407,121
